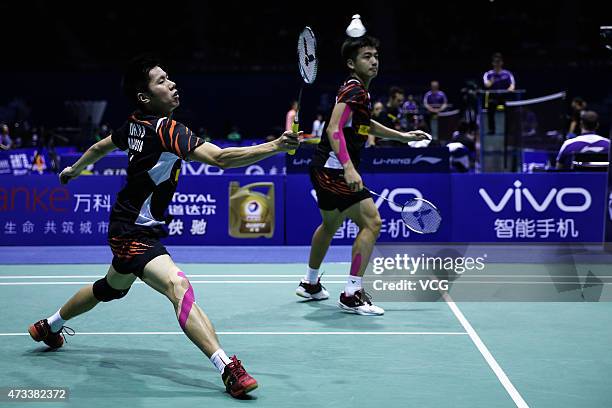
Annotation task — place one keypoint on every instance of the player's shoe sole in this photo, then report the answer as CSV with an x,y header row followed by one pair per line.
x,y
359,303
371,310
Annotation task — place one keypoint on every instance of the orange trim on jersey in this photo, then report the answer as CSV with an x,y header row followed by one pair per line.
x,y
161,136
175,141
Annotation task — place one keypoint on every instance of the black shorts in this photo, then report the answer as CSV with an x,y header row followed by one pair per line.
x,y
133,246
332,191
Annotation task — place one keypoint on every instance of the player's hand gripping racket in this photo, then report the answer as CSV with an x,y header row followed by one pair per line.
x,y
308,63
419,215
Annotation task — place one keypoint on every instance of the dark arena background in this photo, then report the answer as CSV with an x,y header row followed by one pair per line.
x,y
505,304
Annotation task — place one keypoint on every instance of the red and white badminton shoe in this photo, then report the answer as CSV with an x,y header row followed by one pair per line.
x,y
237,381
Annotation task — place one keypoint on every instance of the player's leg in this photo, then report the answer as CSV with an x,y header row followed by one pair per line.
x,y
164,276
310,286
354,299
323,235
113,286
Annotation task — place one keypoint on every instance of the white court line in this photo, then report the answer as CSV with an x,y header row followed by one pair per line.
x,y
501,375
293,282
264,333
142,283
287,276
226,275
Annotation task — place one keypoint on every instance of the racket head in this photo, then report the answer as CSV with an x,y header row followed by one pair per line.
x,y
307,55
421,216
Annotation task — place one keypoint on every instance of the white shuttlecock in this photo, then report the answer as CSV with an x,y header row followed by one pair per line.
x,y
356,28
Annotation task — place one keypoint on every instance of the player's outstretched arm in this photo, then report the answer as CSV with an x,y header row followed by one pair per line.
x,y
92,155
384,132
243,156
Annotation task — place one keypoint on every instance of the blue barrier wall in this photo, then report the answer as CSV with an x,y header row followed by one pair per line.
x,y
558,207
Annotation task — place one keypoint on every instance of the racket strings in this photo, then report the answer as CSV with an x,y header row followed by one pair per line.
x,y
307,56
421,216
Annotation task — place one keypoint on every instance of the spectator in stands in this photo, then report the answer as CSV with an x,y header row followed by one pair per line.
x,y
434,101
5,139
391,115
578,106
498,80
318,125
410,114
290,117
377,109
587,142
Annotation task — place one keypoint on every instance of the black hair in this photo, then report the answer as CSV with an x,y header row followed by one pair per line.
x,y
394,90
350,47
136,76
589,120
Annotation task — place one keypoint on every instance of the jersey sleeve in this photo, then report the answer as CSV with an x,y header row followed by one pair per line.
x,y
353,95
119,138
177,138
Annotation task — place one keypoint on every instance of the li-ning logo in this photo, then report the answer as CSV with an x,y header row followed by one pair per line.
x,y
553,194
407,161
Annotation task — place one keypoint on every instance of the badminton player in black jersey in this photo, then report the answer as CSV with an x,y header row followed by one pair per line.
x,y
339,188
156,146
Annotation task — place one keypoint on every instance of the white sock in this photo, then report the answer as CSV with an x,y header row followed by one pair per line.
x,y
353,284
220,360
312,275
56,322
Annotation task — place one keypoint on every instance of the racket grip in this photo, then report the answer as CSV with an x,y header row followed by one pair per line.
x,y
294,128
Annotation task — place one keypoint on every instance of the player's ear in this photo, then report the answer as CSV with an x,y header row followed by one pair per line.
x,y
350,63
143,98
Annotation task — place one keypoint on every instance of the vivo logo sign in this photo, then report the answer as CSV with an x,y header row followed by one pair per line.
x,y
197,169
393,195
523,196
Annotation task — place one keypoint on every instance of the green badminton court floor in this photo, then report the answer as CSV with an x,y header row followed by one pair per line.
x,y
304,354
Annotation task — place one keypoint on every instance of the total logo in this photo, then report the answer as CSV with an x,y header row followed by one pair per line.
x,y
523,197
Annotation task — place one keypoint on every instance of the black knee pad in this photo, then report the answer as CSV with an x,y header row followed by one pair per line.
x,y
105,293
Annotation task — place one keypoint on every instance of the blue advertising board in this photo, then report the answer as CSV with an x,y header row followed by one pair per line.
x,y
559,207
19,162
40,211
406,160
384,160
221,210
301,203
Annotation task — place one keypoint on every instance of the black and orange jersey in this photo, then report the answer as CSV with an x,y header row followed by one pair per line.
x,y
156,147
356,129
